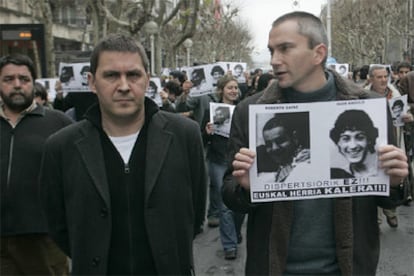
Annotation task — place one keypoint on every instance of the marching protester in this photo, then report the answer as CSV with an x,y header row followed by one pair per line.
x,y
216,145
331,236
117,199
26,248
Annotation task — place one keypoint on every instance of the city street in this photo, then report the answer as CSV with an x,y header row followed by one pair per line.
x,y
397,250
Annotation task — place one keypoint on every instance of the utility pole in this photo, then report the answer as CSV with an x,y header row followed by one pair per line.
x,y
328,27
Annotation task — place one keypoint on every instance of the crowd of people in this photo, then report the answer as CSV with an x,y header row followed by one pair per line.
x,y
122,186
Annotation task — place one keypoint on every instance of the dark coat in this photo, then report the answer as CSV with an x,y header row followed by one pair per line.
x,y
78,201
20,156
269,224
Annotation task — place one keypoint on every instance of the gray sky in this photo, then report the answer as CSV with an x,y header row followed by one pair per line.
x,y
259,15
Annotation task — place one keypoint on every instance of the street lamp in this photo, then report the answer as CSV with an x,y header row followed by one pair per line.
x,y
188,43
151,28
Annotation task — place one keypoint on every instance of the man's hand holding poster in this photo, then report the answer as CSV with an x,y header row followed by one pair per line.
x,y
301,153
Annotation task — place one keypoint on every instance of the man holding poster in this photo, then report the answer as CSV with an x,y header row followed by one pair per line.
x,y
321,236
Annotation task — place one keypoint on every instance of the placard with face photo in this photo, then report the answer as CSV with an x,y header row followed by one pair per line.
x,y
301,153
220,116
74,76
398,107
153,90
201,79
238,69
218,70
342,69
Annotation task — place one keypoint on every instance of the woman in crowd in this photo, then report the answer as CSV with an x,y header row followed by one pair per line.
x,y
230,222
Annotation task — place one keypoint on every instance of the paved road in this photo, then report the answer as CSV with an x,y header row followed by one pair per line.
x,y
396,259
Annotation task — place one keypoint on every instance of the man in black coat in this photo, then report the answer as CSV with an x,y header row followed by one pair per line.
x,y
125,188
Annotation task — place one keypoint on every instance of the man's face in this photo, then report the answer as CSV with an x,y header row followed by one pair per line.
x,y
402,72
294,64
187,86
379,80
397,110
353,145
279,145
219,117
238,71
85,77
16,87
120,83
217,75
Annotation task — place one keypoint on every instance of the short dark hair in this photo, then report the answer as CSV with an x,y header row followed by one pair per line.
x,y
309,26
178,75
403,64
173,87
355,120
40,91
18,59
118,43
85,68
217,68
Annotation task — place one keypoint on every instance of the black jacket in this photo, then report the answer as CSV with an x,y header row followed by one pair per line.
x,y
20,156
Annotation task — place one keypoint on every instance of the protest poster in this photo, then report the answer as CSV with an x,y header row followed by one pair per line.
x,y
237,69
153,90
342,69
74,76
201,79
220,116
398,107
301,153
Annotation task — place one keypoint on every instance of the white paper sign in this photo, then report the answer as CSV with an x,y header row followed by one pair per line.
x,y
220,116
74,76
302,153
398,107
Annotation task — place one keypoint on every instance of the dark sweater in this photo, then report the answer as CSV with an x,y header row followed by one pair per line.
x,y
312,244
20,155
130,252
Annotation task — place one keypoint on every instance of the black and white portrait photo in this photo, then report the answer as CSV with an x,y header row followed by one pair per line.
x,y
302,153
398,107
220,116
84,74
284,145
216,73
153,89
355,135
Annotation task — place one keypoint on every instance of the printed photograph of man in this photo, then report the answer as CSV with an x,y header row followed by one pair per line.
x,y
355,136
397,112
84,74
198,77
286,145
151,90
66,74
216,72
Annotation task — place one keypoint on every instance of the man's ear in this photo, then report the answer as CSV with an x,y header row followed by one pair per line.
x,y
320,53
91,82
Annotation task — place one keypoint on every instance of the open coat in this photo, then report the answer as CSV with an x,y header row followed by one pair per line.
x,y
78,201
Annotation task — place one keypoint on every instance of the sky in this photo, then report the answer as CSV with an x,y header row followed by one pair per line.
x,y
259,16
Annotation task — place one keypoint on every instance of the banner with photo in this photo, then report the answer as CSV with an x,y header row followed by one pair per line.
x,y
74,76
398,107
301,153
220,116
153,91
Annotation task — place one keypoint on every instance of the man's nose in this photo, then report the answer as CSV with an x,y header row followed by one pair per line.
x,y
123,83
275,146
